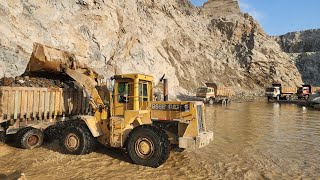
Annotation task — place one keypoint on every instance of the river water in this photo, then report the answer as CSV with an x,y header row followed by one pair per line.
x,y
253,140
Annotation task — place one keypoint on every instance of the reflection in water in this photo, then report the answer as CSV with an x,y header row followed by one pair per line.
x,y
253,140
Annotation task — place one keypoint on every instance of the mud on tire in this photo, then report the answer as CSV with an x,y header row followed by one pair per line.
x,y
77,139
148,146
29,138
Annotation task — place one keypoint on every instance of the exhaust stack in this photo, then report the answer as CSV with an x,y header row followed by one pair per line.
x,y
165,90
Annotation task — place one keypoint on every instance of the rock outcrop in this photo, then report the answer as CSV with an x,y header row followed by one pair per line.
x,y
300,42
190,45
218,8
304,49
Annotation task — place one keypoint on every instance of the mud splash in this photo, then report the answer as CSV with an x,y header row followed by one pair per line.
x,y
253,140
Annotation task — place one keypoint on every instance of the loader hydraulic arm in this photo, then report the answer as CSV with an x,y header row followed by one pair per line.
x,y
89,85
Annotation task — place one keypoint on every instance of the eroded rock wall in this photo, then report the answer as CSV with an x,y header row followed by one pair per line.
x,y
304,49
218,8
147,36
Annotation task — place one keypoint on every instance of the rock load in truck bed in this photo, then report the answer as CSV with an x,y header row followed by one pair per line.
x,y
36,81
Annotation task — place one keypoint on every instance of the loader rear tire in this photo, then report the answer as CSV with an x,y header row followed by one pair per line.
x,y
77,139
29,138
148,146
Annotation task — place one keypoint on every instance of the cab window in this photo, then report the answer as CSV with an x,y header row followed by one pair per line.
x,y
123,92
143,91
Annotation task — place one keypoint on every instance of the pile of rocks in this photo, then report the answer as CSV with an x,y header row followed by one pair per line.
x,y
27,81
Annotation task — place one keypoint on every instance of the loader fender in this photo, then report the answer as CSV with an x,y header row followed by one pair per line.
x,y
93,125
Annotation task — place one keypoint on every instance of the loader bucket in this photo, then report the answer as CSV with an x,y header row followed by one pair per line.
x,y
45,58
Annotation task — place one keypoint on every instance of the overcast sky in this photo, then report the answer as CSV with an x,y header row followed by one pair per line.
x,y
281,16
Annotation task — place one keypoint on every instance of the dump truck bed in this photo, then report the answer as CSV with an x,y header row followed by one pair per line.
x,y
315,89
225,92
42,103
288,90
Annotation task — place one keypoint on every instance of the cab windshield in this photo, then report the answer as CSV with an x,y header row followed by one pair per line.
x,y
270,89
202,90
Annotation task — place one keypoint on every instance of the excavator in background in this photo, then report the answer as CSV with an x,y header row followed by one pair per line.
x,y
125,116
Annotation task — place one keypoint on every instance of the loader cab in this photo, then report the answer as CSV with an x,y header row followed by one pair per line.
x,y
131,92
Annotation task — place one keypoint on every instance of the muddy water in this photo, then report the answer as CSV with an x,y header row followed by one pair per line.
x,y
253,140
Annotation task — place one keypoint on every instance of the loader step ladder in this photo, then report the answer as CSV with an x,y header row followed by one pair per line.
x,y
117,126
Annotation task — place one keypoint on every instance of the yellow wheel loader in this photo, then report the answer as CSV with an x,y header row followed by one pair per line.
x,y
125,116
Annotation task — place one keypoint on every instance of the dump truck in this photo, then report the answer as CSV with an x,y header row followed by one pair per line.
x,y
306,90
279,92
212,94
124,116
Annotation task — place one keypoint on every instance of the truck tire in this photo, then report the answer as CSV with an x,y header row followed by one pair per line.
x,y
224,102
211,101
2,136
29,138
228,101
269,98
148,146
77,139
306,97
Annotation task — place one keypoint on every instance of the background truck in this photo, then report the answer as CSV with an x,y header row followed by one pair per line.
x,y
279,92
124,116
212,93
306,91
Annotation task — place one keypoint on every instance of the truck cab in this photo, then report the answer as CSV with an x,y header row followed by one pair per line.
x,y
304,92
273,92
205,92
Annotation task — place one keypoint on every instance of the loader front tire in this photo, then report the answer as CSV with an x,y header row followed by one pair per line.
x,y
77,139
148,146
29,138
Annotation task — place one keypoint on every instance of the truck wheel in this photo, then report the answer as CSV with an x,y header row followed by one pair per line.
x,y
148,146
307,97
211,101
269,99
229,101
2,136
77,139
29,138
224,102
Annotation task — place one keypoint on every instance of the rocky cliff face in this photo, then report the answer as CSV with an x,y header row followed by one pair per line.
x,y
304,49
190,45
218,8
